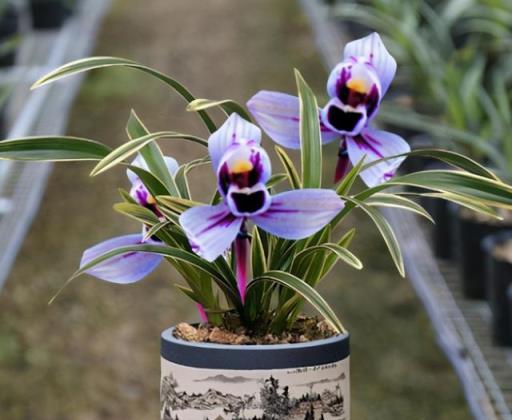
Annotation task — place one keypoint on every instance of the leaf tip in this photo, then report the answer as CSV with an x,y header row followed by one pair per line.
x,y
37,84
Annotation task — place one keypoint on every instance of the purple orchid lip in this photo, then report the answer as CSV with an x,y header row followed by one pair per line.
x,y
248,202
344,121
342,118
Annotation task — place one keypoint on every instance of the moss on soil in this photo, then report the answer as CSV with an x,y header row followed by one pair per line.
x,y
93,354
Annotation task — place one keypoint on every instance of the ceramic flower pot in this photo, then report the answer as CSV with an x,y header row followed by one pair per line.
x,y
499,281
9,28
49,14
289,381
467,245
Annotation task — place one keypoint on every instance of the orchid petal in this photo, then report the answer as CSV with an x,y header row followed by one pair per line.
x,y
298,214
373,145
278,114
125,268
372,48
234,130
210,229
171,163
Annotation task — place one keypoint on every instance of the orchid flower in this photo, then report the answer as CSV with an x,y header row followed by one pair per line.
x,y
242,168
356,87
132,267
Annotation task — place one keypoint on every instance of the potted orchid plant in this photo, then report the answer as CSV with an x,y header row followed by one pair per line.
x,y
254,254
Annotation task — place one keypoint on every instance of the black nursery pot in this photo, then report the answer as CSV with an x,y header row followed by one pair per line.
x,y
468,235
442,231
9,28
50,14
419,163
3,121
499,282
206,380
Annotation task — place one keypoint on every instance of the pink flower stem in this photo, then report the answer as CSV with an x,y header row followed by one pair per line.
x,y
242,261
202,313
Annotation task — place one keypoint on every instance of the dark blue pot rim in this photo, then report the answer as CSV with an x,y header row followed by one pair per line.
x,y
252,357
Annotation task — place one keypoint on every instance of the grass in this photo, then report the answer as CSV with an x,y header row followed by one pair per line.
x,y
94,353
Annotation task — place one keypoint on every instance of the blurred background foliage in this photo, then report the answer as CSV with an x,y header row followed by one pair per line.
x,y
456,70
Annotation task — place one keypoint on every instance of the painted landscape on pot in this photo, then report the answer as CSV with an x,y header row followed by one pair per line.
x,y
312,393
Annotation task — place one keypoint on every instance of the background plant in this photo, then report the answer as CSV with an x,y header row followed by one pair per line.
x,y
456,55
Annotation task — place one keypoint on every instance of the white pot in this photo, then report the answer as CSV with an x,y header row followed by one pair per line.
x,y
282,381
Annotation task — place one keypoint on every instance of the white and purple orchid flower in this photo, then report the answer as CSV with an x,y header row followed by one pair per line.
x,y
356,87
131,267
242,168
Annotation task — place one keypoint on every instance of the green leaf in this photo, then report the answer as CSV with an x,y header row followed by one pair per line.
x,y
447,156
258,257
484,190
151,153
348,181
137,212
125,195
182,182
397,201
127,149
152,183
386,232
54,148
310,138
228,105
176,204
331,259
155,229
465,202
346,239
289,167
92,63
340,252
181,175
188,292
276,179
303,289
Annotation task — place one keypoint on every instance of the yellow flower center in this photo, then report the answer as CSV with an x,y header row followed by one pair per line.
x,y
357,85
241,166
150,199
